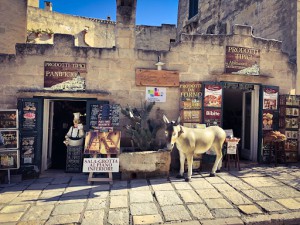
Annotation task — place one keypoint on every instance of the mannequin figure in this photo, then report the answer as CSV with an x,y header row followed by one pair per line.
x,y
75,135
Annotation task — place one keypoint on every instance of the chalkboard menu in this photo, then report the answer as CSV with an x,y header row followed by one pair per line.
x,y
28,148
104,115
29,120
9,138
74,158
8,119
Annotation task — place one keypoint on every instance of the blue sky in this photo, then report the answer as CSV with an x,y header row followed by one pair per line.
x,y
149,12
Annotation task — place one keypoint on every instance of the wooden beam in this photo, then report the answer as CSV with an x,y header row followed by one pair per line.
x,y
157,78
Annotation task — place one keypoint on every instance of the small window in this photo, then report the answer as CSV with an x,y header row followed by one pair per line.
x,y
193,8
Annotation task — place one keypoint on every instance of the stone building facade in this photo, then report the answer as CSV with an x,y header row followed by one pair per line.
x,y
276,20
111,65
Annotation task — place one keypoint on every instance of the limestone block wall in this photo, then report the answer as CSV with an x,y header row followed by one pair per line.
x,y
155,38
270,19
196,57
12,24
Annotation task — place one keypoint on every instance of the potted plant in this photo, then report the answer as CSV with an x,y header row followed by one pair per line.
x,y
148,159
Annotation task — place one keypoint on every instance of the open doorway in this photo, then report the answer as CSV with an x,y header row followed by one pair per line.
x,y
60,120
240,113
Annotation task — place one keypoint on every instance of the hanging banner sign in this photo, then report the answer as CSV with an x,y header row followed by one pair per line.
x,y
270,97
100,165
241,60
213,96
155,94
65,76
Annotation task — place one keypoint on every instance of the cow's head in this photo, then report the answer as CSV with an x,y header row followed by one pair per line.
x,y
173,131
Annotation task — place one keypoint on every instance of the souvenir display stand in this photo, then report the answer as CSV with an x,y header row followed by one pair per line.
x,y
289,125
232,152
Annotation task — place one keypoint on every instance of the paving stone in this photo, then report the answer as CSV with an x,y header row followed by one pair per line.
x,y
182,185
96,204
223,187
228,177
119,201
56,187
224,221
147,219
143,209
162,187
262,181
289,203
270,206
189,196
175,213
61,180
200,211
31,193
37,186
259,220
31,222
209,193
63,219
236,198
137,185
201,184
118,217
239,185
73,208
280,192
255,195
117,192
214,180
38,213
188,223
94,217
102,187
70,199
10,217
5,198
24,200
283,176
99,194
218,203
249,209
167,198
120,184
50,194
14,208
140,196
226,213
71,193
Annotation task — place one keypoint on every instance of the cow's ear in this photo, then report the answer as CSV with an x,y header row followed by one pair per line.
x,y
178,120
165,119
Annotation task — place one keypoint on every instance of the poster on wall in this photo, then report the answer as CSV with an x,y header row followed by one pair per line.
x,y
9,159
29,115
268,118
190,116
213,96
9,119
190,95
270,98
155,94
241,60
27,148
64,76
10,138
102,142
212,116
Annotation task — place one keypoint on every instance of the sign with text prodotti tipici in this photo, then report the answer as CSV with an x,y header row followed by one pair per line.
x,y
156,78
64,75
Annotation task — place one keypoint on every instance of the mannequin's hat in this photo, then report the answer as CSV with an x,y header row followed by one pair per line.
x,y
76,116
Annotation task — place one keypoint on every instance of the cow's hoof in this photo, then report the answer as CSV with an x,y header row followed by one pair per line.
x,y
179,176
218,171
212,175
188,179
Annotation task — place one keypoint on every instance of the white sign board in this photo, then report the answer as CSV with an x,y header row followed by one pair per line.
x,y
231,147
156,94
100,165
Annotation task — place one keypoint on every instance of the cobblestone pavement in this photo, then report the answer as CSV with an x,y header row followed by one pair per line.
x,y
254,195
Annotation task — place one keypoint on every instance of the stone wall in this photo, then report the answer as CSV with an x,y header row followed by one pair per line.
x,y
100,33
12,24
269,19
196,57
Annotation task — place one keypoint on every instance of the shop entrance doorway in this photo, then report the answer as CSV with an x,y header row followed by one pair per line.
x,y
241,113
58,118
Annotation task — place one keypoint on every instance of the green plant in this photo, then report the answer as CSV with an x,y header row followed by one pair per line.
x,y
143,129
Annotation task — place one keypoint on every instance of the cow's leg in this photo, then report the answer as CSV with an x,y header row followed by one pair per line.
x,y
190,167
182,161
217,161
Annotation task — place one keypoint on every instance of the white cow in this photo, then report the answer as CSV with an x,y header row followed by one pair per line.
x,y
194,140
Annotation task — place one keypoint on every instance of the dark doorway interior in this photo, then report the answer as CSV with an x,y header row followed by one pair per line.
x,y
232,111
62,121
